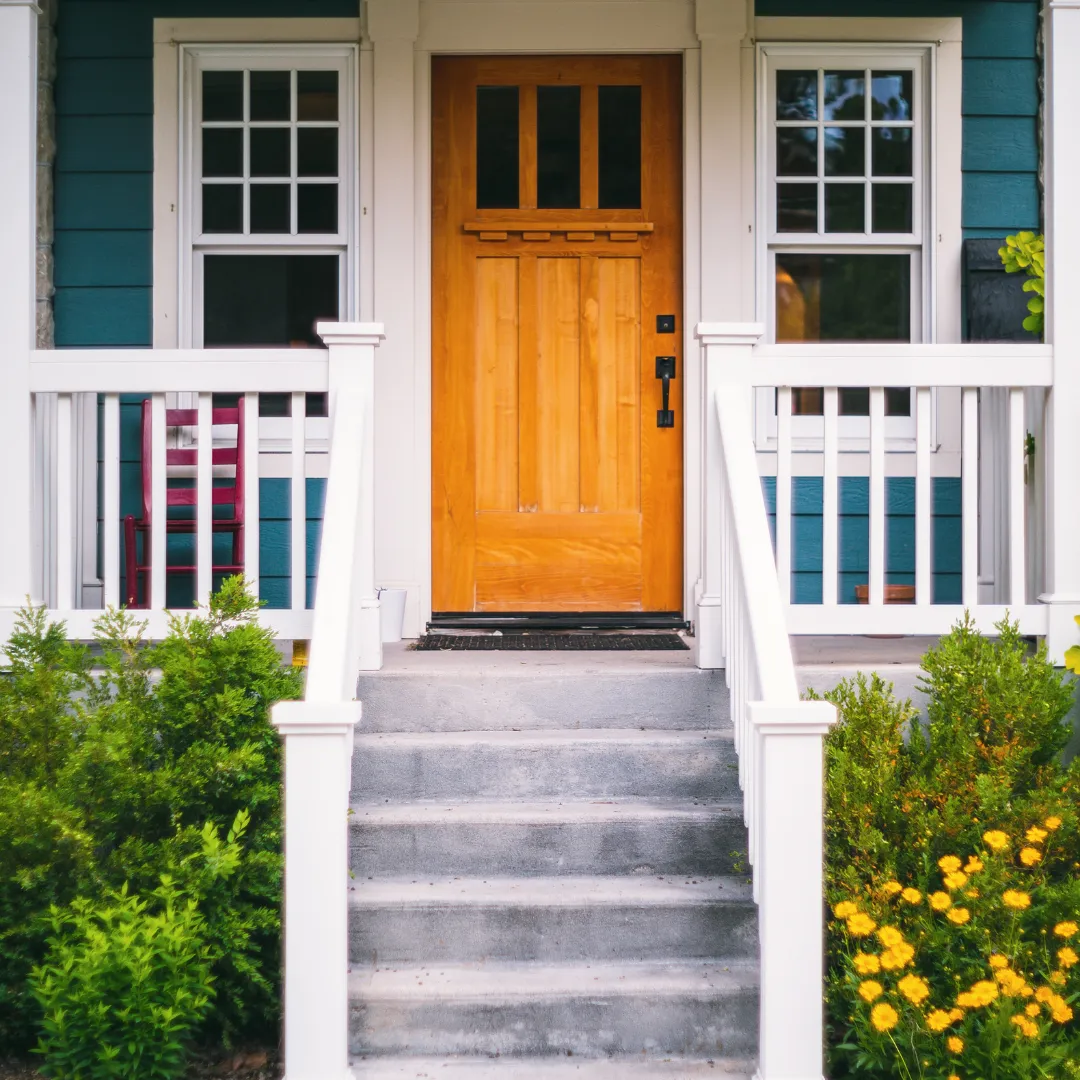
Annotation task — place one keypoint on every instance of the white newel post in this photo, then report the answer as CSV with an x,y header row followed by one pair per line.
x,y
349,518
318,751
18,223
730,346
1062,437
788,876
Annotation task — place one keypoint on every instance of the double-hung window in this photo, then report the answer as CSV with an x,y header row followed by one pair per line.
x,y
846,209
269,217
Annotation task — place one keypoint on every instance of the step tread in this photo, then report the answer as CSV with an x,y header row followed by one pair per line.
x,y
540,738
481,980
545,811
564,892
459,1068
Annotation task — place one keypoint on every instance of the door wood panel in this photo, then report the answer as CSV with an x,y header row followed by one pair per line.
x,y
552,487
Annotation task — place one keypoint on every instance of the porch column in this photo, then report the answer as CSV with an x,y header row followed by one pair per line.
x,y
1062,452
18,217
731,345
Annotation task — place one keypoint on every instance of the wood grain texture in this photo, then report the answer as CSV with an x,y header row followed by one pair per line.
x,y
553,489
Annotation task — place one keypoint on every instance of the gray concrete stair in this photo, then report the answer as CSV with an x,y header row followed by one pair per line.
x,y
548,872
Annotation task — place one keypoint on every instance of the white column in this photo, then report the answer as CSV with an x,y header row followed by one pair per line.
x,y
18,218
1062,149
727,346
318,752
788,876
345,635
403,502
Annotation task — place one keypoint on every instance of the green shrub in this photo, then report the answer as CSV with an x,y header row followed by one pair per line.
x,y
118,768
905,799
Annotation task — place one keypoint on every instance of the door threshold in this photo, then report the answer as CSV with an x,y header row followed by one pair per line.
x,y
557,620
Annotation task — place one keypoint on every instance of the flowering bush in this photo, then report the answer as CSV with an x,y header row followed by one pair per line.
x,y
951,871
974,978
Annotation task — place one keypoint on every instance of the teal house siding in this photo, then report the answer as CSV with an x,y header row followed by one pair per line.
x,y
853,541
103,245
1000,99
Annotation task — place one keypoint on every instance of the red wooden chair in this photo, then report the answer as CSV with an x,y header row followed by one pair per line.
x,y
230,495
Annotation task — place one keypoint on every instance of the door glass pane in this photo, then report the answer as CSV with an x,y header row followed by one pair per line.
x,y
843,297
223,95
620,147
796,95
496,147
845,95
892,95
316,95
558,147
270,95
267,300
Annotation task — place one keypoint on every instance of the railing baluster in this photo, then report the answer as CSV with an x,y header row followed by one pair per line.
x,y
110,533
783,492
250,450
204,488
158,508
877,496
298,504
924,502
830,501
969,499
1017,523
65,505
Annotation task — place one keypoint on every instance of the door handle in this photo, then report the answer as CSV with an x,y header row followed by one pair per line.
x,y
665,372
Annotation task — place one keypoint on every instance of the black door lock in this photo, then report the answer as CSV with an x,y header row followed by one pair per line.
x,y
665,371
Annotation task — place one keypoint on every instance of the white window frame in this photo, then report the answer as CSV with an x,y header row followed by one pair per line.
x,y
193,244
808,431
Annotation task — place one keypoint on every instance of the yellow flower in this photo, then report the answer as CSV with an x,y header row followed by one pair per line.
x,y
972,894
871,990
958,915
845,909
889,936
1057,978
938,1020
1053,823
956,1014
973,865
866,963
1029,856
1044,994
940,901
955,880
897,957
1035,834
915,989
997,962
1032,1009
1025,1025
1015,899
955,1044
953,1076
1067,957
1066,929
1012,984
996,840
860,924
891,888
1060,1012
912,896
948,864
884,1017
981,993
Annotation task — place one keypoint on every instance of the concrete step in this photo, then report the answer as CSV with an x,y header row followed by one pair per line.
x,y
588,763
509,690
599,836
705,1009
564,1068
551,920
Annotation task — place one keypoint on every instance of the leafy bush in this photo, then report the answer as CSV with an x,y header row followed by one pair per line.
x,y
1025,251
907,799
111,765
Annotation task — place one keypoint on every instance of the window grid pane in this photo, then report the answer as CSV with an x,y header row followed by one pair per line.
x,y
288,123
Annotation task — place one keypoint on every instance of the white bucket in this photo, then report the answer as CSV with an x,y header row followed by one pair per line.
x,y
392,613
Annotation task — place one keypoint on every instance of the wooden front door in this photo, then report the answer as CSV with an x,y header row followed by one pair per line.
x,y
556,256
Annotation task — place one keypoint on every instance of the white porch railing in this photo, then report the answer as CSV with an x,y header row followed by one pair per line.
x,y
65,386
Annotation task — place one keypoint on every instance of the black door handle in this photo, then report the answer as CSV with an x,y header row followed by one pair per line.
x,y
665,372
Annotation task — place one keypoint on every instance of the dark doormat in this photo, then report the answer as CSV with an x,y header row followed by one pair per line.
x,y
541,642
